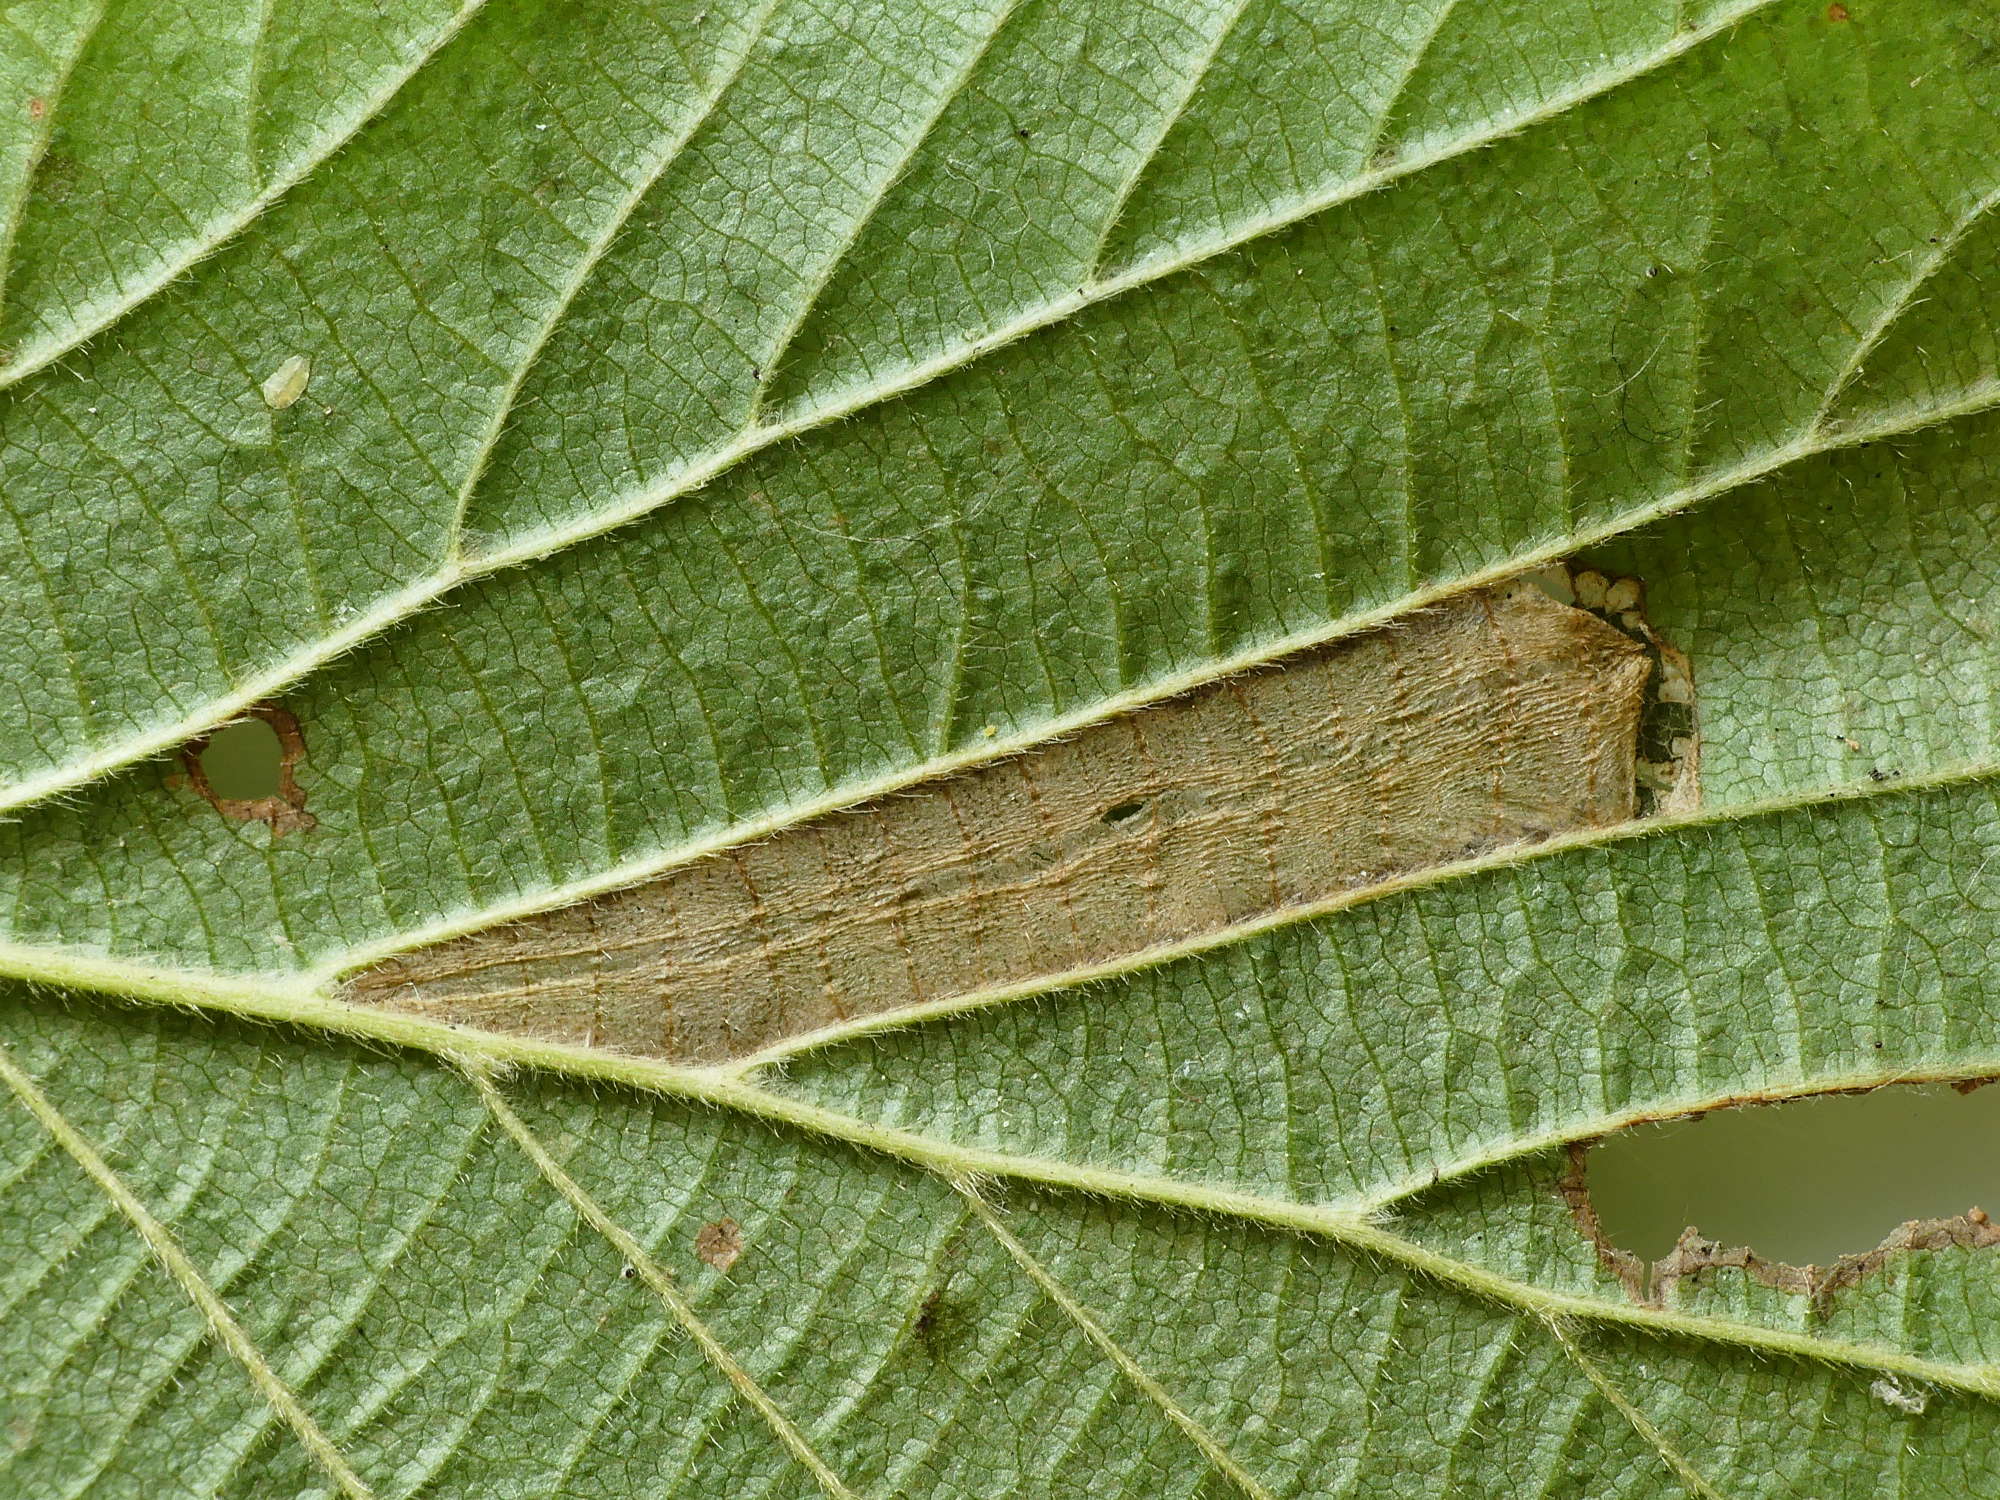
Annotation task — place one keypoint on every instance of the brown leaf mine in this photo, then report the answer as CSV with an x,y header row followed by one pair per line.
x,y
1497,718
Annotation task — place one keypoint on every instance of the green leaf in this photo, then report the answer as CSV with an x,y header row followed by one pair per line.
x,y
618,433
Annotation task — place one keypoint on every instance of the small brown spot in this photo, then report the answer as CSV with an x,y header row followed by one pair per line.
x,y
945,1322
1836,12
285,811
37,107
719,1244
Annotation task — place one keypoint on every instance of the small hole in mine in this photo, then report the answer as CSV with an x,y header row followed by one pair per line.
x,y
243,761
1806,1181
1124,812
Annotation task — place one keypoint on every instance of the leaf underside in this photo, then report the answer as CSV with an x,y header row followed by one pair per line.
x,y
617,434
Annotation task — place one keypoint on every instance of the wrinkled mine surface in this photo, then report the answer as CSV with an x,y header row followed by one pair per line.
x,y
1499,717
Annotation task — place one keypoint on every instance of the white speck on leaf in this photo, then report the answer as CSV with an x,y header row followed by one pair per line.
x,y
287,383
1890,1393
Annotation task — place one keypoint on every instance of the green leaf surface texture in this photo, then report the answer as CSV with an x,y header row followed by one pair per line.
x,y
718,414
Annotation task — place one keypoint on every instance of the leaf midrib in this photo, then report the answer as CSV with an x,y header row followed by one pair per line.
x,y
461,565
1360,1226
1359,1223
310,996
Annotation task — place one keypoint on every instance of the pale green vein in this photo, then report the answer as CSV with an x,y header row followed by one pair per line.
x,y
308,996
1110,1348
1906,297
643,182
830,264
655,1276
1624,1405
93,317
12,215
253,86
1195,250
1163,125
160,1240
1422,50
1348,1225
840,405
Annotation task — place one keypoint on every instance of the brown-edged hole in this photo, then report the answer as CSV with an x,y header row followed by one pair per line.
x,y
248,771
1123,812
1803,1182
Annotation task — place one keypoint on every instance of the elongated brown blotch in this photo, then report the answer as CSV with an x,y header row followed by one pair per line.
x,y
1496,718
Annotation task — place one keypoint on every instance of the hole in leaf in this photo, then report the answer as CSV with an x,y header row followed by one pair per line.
x,y
1124,812
242,761
247,771
1804,1182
